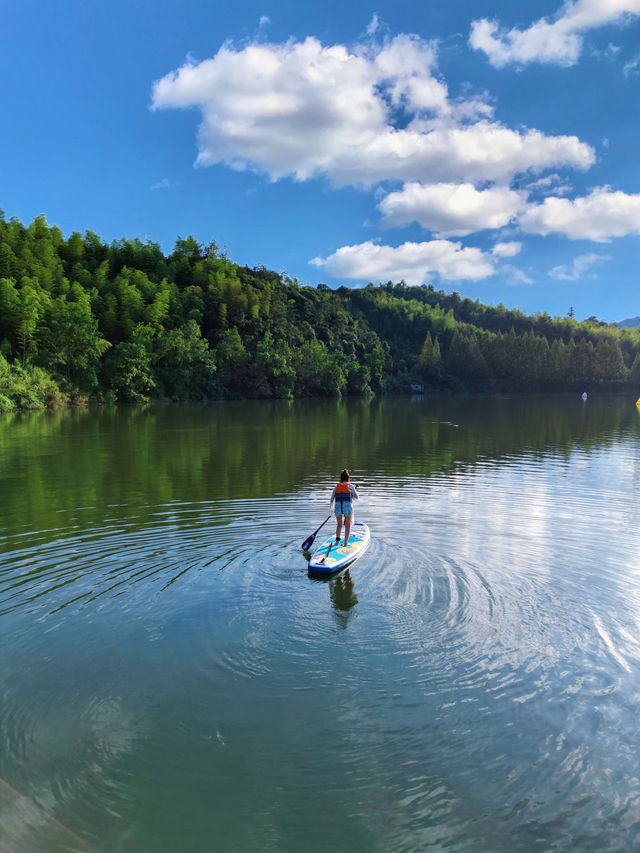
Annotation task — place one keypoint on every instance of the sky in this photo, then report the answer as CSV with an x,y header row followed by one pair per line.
x,y
487,147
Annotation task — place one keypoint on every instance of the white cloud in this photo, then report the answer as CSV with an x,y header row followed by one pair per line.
x,y
410,262
451,210
164,184
305,110
613,49
373,25
514,275
547,185
372,113
579,268
609,53
559,42
506,250
632,66
600,216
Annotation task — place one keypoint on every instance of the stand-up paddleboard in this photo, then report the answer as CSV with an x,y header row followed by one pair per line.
x,y
330,558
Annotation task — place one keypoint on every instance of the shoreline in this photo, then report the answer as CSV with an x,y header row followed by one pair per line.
x,y
78,402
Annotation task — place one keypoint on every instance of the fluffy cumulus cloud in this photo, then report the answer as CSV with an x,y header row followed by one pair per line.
x,y
356,115
558,41
581,266
375,113
506,250
600,216
413,263
451,210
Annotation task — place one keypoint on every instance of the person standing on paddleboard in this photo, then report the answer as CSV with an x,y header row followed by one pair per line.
x,y
342,498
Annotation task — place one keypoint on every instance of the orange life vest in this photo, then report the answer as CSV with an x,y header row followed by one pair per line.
x,y
343,489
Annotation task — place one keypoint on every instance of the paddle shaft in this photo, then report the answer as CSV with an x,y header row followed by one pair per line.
x,y
327,554
308,542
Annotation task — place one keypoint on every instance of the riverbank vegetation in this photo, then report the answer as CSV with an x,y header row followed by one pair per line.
x,y
82,319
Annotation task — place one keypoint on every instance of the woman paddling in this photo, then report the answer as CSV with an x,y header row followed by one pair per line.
x,y
342,498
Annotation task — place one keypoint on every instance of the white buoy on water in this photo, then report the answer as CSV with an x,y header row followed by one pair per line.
x,y
584,395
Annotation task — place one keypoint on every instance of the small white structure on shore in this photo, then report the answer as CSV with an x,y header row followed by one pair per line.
x,y
584,395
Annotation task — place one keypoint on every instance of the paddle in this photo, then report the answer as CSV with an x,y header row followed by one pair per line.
x,y
309,541
328,552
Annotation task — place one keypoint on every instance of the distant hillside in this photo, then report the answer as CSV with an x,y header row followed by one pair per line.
x,y
630,323
124,321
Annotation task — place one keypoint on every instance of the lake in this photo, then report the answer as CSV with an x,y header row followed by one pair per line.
x,y
171,679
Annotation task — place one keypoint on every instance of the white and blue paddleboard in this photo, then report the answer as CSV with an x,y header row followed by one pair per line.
x,y
331,557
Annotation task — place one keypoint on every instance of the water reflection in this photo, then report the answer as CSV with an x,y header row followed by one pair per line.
x,y
170,673
57,467
343,598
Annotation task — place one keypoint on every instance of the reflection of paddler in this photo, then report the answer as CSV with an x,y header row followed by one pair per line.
x,y
342,498
343,596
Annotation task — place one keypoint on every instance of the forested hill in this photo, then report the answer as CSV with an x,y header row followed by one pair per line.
x,y
80,318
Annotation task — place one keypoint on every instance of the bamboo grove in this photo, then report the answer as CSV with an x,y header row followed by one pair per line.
x,y
81,319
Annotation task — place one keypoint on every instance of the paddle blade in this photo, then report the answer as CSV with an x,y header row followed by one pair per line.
x,y
309,542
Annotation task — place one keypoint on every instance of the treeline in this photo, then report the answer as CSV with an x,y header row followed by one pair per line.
x,y
440,338
83,319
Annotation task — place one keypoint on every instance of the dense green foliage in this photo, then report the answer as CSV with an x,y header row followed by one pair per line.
x,y
124,321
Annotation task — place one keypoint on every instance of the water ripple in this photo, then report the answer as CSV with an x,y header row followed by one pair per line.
x,y
472,683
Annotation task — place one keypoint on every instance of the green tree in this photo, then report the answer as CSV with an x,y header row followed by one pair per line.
x,y
318,372
358,379
273,359
70,342
185,366
609,363
375,360
29,310
128,367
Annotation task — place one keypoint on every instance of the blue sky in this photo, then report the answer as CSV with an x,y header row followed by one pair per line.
x,y
487,147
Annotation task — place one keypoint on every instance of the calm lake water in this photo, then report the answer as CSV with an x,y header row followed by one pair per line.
x,y
172,680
